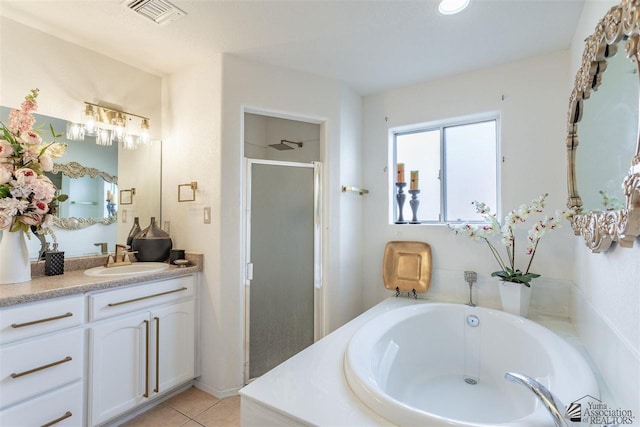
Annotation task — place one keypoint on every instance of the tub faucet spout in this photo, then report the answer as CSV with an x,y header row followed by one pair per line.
x,y
551,402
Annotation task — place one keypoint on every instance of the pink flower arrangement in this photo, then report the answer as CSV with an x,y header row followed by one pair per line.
x,y
26,194
491,226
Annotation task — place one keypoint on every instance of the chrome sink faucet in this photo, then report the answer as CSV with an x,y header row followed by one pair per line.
x,y
120,257
551,402
103,247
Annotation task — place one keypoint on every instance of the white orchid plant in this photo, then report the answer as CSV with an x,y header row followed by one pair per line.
x,y
491,226
26,194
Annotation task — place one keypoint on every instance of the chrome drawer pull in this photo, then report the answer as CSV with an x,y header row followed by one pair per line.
x,y
40,368
57,420
113,304
48,319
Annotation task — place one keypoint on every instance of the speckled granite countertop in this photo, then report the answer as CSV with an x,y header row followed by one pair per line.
x,y
74,281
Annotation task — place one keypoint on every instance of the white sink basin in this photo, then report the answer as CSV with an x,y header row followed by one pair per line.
x,y
127,270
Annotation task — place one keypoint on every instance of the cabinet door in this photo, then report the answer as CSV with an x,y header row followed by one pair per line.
x,y
173,344
120,366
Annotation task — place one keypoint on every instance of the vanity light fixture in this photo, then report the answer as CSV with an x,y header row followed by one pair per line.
x,y
451,7
108,125
187,192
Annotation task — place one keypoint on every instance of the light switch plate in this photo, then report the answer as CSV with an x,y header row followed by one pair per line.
x,y
167,227
124,216
207,215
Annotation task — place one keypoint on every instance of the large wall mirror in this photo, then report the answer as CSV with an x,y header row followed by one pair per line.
x,y
603,133
92,176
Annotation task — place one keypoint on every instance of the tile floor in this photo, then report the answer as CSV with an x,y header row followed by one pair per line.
x,y
191,408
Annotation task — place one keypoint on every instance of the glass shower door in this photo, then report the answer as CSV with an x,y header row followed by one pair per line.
x,y
281,243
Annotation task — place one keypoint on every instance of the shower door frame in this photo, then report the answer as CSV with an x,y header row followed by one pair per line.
x,y
318,287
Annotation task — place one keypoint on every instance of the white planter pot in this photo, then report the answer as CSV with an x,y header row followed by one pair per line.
x,y
515,298
15,266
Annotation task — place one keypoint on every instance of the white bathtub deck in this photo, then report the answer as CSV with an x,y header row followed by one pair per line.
x,y
310,388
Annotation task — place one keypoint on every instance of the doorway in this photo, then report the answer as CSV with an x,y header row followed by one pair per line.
x,y
283,244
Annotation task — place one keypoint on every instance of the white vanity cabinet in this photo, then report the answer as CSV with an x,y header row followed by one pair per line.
x,y
141,344
42,363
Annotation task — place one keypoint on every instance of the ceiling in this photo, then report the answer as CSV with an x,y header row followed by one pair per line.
x,y
371,45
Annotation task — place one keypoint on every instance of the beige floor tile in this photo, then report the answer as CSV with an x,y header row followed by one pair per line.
x,y
160,416
192,423
192,402
225,413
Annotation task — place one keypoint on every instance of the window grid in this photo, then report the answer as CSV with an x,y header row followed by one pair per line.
x,y
442,173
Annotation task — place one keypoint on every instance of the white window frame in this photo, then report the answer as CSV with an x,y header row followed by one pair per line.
x,y
441,125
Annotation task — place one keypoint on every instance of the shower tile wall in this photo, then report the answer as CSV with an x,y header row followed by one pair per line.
x,y
261,131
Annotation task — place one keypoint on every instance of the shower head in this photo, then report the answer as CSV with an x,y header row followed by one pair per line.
x,y
282,146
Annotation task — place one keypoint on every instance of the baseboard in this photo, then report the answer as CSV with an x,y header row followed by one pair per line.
x,y
220,394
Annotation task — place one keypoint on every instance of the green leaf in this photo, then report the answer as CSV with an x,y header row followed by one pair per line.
x,y
515,276
53,132
5,190
62,197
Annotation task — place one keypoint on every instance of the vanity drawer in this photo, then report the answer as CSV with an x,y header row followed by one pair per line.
x,y
115,302
63,405
39,365
28,320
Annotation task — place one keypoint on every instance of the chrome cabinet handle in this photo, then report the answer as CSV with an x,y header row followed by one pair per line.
x,y
57,420
40,368
157,389
48,319
146,361
113,304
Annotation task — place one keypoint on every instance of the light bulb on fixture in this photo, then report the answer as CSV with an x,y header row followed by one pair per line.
x,y
451,7
90,125
109,125
103,137
130,142
144,135
75,131
119,123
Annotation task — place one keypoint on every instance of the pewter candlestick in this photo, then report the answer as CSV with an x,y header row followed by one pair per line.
x,y
414,203
400,198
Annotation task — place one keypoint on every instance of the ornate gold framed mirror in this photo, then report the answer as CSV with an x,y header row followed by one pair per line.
x,y
75,171
615,154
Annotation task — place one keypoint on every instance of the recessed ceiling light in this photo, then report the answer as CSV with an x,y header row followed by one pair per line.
x,y
450,7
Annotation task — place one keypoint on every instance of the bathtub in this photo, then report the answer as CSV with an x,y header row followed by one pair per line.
x,y
444,365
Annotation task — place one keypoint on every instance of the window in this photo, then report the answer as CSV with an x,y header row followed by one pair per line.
x,y
456,164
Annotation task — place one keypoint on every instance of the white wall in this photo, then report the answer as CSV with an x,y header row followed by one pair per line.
x,y
606,297
531,97
262,131
67,76
191,152
203,116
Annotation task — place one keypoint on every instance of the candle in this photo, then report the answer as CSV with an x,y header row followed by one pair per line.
x,y
414,180
401,172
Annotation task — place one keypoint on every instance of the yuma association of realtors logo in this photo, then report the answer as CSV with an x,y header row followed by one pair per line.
x,y
591,410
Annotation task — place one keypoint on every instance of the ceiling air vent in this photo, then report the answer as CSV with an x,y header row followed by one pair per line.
x,y
159,11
